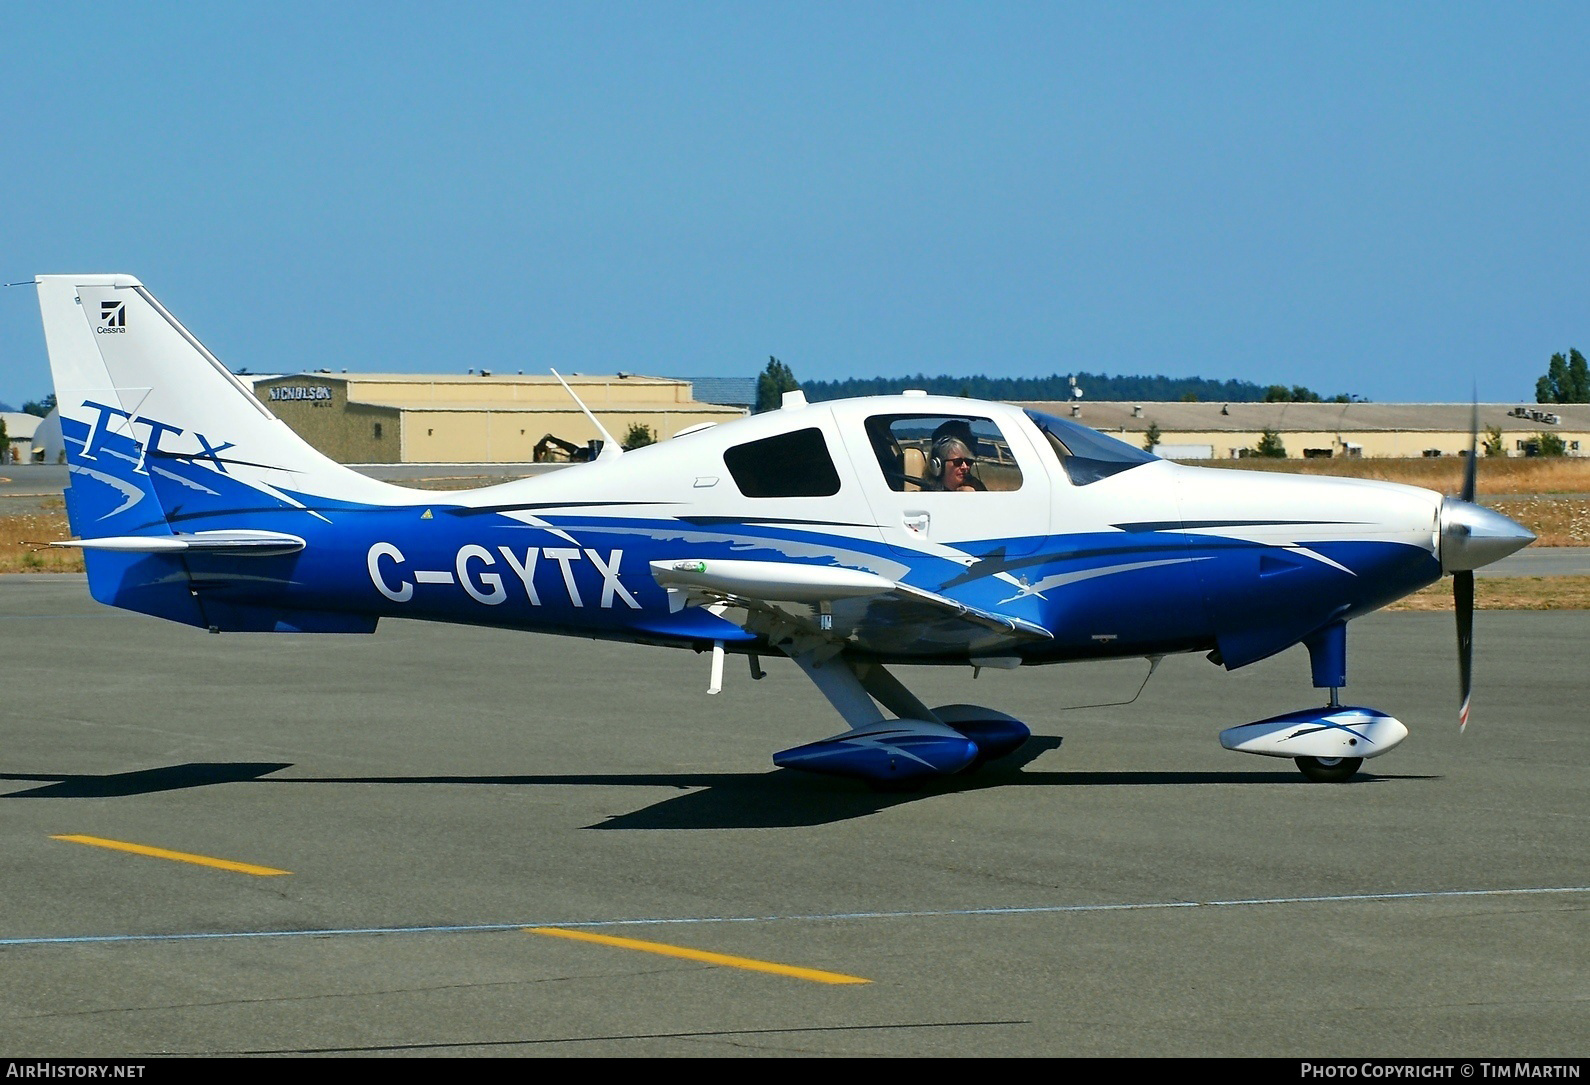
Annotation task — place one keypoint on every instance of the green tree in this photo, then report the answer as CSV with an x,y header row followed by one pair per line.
x,y
1549,444
1270,445
1557,375
1567,379
40,407
639,435
1151,438
1492,445
5,442
775,380
1280,393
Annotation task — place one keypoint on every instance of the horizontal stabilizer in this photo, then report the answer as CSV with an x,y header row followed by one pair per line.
x,y
244,543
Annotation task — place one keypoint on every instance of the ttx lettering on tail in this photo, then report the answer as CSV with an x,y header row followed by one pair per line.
x,y
104,425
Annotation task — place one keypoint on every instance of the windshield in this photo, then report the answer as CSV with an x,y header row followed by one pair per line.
x,y
1087,455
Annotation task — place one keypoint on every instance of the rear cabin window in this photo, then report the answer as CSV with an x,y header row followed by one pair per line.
x,y
789,465
942,452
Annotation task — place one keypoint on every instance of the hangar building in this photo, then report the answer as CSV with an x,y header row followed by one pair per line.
x,y
447,418
1195,431
409,418
20,428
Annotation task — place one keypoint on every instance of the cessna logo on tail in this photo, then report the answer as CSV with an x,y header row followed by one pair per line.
x,y
112,317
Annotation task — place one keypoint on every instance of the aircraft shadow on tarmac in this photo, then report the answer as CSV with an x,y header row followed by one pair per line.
x,y
143,782
777,799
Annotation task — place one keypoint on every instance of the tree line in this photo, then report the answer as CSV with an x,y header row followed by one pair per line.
x,y
1095,386
1567,380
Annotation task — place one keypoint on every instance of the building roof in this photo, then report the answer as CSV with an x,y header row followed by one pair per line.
x,y
20,426
491,377
625,392
505,406
1318,417
730,391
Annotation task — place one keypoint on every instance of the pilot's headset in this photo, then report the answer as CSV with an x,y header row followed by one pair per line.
x,y
942,448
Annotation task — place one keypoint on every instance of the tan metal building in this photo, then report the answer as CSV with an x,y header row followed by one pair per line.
x,y
430,418
409,418
1228,430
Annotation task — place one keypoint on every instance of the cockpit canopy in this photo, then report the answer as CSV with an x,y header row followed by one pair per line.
x,y
923,449
1087,455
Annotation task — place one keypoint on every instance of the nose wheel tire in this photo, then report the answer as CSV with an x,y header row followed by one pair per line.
x,y
1328,770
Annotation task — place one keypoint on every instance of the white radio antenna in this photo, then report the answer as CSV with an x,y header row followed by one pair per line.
x,y
611,449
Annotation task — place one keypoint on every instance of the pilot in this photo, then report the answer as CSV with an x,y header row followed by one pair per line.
x,y
951,466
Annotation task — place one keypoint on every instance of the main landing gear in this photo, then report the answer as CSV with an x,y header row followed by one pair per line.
x,y
895,754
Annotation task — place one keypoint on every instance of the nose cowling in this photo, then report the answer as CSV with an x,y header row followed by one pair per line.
x,y
1472,536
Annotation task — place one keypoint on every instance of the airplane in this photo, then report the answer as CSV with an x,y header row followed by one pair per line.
x,y
823,532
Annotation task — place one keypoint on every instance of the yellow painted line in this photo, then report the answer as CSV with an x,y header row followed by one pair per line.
x,y
724,959
178,856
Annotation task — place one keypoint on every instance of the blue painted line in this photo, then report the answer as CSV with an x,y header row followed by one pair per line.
x,y
820,917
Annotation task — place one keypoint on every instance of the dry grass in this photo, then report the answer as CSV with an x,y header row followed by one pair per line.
x,y
1495,477
23,538
1556,521
1507,593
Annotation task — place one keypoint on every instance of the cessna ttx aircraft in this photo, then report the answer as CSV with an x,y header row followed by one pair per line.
x,y
847,536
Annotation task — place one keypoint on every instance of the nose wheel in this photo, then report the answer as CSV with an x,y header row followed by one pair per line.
x,y
1328,770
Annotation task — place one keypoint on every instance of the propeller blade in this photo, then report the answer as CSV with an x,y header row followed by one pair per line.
x,y
1463,600
1474,448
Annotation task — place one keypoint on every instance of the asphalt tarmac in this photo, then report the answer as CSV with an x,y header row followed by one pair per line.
x,y
430,795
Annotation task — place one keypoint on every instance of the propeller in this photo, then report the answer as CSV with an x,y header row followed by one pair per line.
x,y
1472,536
1463,583
1463,602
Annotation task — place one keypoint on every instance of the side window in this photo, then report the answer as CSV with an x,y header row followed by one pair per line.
x,y
789,465
961,454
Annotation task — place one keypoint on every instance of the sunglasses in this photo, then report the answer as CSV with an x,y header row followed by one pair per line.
x,y
959,461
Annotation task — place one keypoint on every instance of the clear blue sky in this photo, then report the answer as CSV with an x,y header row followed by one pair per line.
x,y
1391,200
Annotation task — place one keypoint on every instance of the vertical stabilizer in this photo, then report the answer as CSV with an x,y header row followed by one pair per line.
x,y
145,407
161,439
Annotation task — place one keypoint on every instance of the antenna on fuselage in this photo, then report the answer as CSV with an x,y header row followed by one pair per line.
x,y
608,444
